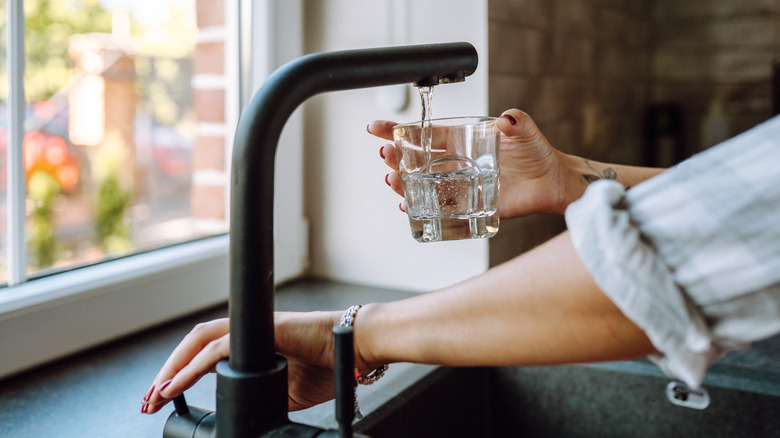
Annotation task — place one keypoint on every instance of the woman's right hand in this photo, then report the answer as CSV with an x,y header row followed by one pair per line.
x,y
535,177
304,339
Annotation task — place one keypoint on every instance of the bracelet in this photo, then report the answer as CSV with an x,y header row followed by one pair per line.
x,y
348,320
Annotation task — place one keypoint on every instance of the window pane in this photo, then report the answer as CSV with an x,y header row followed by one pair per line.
x,y
112,129
3,142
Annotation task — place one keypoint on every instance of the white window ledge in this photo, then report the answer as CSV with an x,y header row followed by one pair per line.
x,y
48,318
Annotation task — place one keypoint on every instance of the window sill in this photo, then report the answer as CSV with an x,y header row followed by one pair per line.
x,y
51,317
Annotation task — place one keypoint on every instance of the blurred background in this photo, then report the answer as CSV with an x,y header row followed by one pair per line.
x,y
111,128
646,82
125,145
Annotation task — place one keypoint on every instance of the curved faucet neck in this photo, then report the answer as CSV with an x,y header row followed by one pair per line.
x,y
254,151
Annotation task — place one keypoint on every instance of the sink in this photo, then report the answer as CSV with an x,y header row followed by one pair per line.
x,y
618,399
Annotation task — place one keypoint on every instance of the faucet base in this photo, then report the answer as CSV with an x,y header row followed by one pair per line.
x,y
198,423
251,404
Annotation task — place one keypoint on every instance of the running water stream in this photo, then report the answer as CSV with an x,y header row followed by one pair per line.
x,y
426,133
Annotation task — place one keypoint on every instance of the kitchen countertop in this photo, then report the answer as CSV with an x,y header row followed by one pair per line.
x,y
98,393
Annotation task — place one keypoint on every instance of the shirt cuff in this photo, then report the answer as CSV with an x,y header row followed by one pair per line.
x,y
627,269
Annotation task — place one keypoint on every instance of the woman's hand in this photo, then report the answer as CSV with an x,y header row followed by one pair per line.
x,y
535,177
197,354
305,339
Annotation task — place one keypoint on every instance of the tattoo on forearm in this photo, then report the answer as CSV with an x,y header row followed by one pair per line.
x,y
608,173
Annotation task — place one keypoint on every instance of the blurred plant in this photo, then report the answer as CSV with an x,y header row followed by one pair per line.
x,y
113,200
50,171
42,191
48,25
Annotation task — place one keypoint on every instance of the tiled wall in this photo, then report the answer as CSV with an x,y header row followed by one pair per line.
x,y
701,47
587,70
581,69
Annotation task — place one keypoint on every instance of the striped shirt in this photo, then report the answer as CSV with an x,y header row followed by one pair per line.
x,y
692,256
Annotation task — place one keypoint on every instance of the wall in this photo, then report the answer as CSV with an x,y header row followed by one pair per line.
x,y
586,70
701,47
357,233
580,68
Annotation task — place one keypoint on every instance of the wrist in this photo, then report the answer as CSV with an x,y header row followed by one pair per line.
x,y
367,358
574,181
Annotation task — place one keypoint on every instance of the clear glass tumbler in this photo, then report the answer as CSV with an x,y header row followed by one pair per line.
x,y
450,180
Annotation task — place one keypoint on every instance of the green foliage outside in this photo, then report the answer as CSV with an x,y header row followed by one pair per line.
x,y
111,229
48,26
43,189
114,196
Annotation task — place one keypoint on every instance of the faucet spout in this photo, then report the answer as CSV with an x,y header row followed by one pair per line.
x,y
252,354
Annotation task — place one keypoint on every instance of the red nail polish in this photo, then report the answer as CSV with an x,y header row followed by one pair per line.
x,y
367,128
164,385
511,119
149,393
387,179
401,206
144,408
381,153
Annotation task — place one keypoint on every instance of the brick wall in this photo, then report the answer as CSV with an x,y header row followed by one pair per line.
x,y
701,47
209,177
581,69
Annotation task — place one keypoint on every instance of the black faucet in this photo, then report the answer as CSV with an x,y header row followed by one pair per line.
x,y
252,384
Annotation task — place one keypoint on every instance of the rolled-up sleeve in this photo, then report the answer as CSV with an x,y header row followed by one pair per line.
x,y
692,256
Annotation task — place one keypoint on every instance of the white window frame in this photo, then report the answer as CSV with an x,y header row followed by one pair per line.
x,y
47,318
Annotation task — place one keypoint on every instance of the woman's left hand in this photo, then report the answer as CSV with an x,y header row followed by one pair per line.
x,y
535,177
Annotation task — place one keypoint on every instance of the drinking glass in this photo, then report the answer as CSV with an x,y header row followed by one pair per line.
x,y
450,180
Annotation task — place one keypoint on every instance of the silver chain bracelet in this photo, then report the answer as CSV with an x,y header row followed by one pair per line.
x,y
348,320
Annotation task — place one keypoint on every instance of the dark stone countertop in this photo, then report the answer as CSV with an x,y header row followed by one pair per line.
x,y
98,393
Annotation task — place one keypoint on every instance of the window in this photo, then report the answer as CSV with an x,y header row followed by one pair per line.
x,y
124,129
113,193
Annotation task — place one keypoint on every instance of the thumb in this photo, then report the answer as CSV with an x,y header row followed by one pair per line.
x,y
516,123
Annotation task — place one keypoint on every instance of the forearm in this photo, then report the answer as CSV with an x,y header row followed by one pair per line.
x,y
540,308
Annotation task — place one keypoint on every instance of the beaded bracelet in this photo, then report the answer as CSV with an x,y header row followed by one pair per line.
x,y
348,320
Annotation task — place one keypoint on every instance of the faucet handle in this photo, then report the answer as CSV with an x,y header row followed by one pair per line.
x,y
344,374
180,405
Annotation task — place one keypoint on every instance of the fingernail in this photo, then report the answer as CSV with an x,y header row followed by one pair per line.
x,y
401,206
159,403
387,179
511,119
367,128
163,386
149,393
381,152
144,408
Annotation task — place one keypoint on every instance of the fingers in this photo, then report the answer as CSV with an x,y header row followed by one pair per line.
x,y
393,179
389,153
381,129
196,355
203,363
